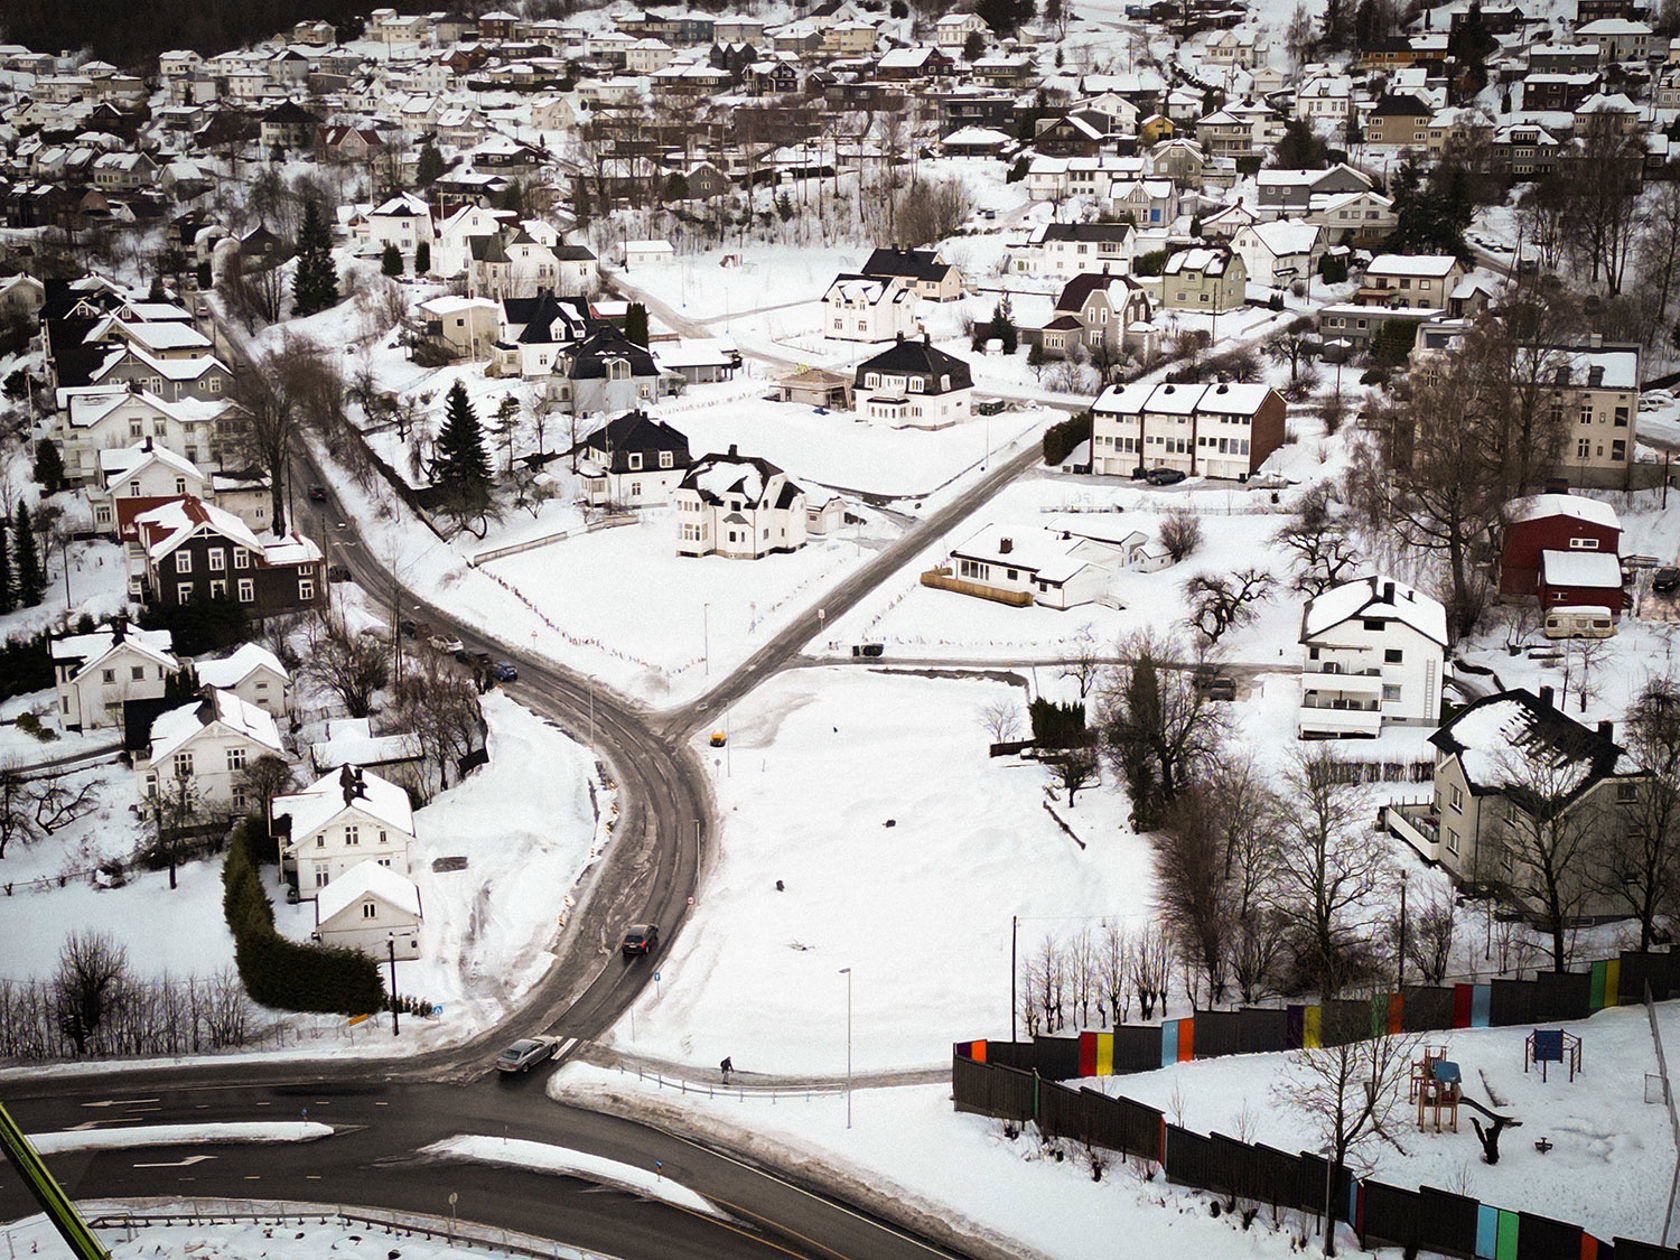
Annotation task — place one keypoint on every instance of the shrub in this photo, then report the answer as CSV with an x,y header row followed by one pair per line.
x,y
283,974
1060,439
1057,725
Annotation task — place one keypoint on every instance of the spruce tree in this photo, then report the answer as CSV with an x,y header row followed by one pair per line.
x,y
422,258
31,581
8,600
315,287
429,166
636,324
460,468
49,466
390,262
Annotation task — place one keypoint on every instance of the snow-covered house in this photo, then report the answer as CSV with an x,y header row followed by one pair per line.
x,y
1100,312
94,674
1204,279
404,221
633,460
739,506
254,674
95,419
460,327
1278,252
371,908
1546,523
1219,430
932,278
202,750
190,551
1372,652
339,821
137,479
1424,281
912,385
396,756
1051,568
1071,249
866,308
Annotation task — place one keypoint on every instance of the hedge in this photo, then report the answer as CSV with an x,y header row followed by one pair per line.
x,y
1060,439
283,974
24,666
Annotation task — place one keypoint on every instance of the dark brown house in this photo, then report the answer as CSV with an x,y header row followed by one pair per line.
x,y
190,550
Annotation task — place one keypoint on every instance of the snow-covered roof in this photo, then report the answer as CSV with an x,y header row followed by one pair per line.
x,y
1411,265
351,742
322,801
1522,744
367,879
172,729
117,462
1598,570
1580,507
169,525
232,670
93,647
1282,237
1377,597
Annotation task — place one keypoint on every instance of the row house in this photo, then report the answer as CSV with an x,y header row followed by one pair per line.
x,y
98,419
738,506
191,550
912,385
198,756
1222,430
1056,178
1372,656
96,673
202,379
1071,249
1562,58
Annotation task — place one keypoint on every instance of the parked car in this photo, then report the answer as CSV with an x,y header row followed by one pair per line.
x,y
317,494
446,644
641,939
1655,400
337,573
1666,581
1164,476
526,1053
504,671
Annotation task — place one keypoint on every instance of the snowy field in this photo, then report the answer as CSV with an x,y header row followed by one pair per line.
x,y
528,823
901,848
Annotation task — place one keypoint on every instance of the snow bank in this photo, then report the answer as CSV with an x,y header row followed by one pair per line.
x,y
542,1157
179,1135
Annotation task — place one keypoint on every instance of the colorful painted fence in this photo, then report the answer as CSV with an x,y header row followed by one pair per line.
x,y
1382,1215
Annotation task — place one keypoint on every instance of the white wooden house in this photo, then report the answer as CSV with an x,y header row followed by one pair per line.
x,y
255,675
207,745
869,308
373,909
738,506
1371,656
339,821
95,673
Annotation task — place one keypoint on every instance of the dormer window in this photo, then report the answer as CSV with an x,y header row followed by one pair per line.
x,y
635,461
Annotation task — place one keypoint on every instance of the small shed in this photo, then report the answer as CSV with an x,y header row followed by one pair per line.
x,y
1571,579
648,254
815,387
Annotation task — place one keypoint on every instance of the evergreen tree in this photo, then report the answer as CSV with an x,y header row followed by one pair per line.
x,y
315,287
1002,326
390,261
49,467
974,47
428,168
31,580
8,600
460,467
422,258
636,324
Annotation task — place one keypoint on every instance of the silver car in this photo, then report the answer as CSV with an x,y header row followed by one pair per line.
x,y
525,1054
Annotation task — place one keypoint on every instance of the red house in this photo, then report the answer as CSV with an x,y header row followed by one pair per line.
x,y
1581,579
1564,523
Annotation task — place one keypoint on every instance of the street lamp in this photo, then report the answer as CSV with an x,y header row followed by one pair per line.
x,y
706,636
391,949
847,972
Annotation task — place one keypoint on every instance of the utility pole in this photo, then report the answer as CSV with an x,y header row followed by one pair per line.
x,y
1014,934
391,948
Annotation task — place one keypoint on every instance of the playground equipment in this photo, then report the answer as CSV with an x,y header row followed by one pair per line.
x,y
1546,1046
1438,1093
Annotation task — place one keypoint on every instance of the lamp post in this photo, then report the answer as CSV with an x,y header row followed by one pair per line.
x,y
706,636
1400,979
391,949
847,972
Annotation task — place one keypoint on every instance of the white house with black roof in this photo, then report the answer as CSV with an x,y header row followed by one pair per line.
x,y
912,385
923,270
632,460
96,673
739,506
1071,249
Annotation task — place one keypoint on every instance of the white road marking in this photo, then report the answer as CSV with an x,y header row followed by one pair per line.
x,y
188,1162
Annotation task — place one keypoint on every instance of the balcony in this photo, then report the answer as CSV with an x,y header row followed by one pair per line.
x,y
1418,826
1338,720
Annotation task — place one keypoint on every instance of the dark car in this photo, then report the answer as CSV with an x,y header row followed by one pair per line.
x,y
504,671
337,573
1666,581
1164,476
317,494
642,938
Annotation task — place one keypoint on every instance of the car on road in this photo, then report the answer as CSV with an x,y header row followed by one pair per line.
x,y
317,494
1655,400
337,573
504,671
1164,476
640,939
443,643
526,1053
1666,581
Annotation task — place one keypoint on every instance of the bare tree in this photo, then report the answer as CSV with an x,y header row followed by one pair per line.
x,y
90,983
1155,726
1114,951
1298,343
17,808
1074,768
1001,719
442,709
62,799
1220,602
1641,864
1151,968
1084,662
1328,873
267,433
1191,888
1355,1092
265,778
1429,937
1181,533
352,666
1324,551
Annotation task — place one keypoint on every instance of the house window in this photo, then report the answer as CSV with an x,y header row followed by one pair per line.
x,y
352,835
321,875
183,593
306,590
370,910
109,675
247,591
1391,691
218,560
1452,842
137,673
665,459
635,460
236,759
241,557
218,588
183,562
183,765
1626,793
1457,797
1393,656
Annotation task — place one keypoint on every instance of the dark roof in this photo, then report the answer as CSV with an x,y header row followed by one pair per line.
x,y
138,716
488,249
1076,290
913,264
917,358
639,432
540,314
288,112
713,494
1401,104
1104,233
573,253
589,356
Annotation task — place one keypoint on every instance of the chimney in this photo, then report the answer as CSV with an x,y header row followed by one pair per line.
x,y
1607,729
1005,546
119,629
927,338
1388,592
1546,697
347,783
734,450
148,446
900,336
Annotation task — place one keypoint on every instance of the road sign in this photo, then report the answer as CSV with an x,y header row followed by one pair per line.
x,y
437,1010
656,977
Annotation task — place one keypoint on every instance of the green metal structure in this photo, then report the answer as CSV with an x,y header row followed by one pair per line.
x,y
48,1193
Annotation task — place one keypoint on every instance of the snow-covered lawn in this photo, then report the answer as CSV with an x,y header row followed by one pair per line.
x,y
903,851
